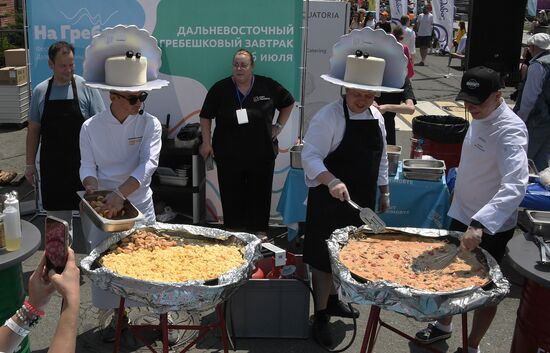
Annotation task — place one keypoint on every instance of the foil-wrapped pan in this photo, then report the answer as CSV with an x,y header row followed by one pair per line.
x,y
418,304
161,297
116,224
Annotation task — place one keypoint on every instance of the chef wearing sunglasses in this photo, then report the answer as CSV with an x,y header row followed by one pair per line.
x,y
120,147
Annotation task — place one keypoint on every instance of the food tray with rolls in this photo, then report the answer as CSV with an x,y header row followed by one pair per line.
x,y
424,303
125,220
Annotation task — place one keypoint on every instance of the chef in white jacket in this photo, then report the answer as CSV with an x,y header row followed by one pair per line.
x,y
490,184
120,146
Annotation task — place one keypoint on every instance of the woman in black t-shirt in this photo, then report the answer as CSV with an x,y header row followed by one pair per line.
x,y
244,143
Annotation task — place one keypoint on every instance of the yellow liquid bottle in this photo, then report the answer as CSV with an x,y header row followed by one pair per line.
x,y
12,228
13,244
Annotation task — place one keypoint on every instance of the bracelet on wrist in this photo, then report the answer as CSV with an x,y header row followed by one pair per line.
x,y
12,325
333,183
32,309
386,194
279,126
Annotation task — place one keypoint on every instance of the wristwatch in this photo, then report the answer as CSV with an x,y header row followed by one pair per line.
x,y
278,125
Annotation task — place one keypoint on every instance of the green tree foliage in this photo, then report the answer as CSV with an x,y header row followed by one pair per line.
x,y
12,36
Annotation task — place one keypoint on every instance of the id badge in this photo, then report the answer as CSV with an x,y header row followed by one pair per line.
x,y
242,116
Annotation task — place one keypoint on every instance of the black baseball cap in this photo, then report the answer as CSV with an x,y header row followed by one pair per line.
x,y
477,85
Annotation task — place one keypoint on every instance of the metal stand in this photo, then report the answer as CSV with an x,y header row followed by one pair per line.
x,y
374,322
163,326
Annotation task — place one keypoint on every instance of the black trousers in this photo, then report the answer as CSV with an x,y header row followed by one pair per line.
x,y
245,190
494,244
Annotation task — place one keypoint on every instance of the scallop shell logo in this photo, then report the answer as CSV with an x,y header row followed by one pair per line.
x,y
472,84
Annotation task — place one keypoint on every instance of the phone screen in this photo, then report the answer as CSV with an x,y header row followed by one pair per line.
x,y
56,244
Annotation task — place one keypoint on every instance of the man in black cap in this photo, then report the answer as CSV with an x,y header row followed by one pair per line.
x,y
490,184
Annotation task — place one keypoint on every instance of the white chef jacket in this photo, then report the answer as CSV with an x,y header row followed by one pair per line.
x,y
492,175
324,134
112,152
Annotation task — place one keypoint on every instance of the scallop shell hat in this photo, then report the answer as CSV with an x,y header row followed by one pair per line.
x,y
375,43
122,40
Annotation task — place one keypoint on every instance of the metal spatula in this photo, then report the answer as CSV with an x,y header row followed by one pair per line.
x,y
439,261
370,218
544,251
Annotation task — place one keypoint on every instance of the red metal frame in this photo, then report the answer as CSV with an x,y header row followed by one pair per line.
x,y
373,325
163,326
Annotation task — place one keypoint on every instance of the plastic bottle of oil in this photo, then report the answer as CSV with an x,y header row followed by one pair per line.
x,y
12,223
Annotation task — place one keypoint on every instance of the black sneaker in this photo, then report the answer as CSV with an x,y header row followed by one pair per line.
x,y
419,64
432,334
340,309
321,332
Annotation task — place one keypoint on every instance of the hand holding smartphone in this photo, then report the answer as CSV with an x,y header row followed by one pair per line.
x,y
57,243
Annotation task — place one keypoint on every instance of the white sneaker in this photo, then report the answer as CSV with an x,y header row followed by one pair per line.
x,y
167,215
174,334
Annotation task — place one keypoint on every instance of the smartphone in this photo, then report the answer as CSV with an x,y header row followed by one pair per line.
x,y
57,243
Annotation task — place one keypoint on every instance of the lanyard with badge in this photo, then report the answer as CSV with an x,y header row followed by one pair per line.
x,y
242,116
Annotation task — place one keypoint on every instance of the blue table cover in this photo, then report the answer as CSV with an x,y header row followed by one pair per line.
x,y
417,203
414,203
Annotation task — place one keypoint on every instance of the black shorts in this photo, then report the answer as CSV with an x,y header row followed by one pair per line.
x,y
494,244
424,41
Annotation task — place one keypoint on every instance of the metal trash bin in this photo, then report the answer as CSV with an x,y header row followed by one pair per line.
x,y
443,136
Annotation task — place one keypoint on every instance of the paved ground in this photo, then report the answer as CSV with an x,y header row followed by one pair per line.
x,y
431,83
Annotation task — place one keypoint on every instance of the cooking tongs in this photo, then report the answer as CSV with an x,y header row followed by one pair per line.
x,y
544,250
370,218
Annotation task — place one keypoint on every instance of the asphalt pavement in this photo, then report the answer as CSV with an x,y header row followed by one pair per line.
x,y
434,82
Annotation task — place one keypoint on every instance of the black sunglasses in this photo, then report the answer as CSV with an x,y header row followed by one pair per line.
x,y
134,99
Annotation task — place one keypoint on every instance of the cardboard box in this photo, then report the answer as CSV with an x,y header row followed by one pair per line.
x,y
15,57
13,75
272,308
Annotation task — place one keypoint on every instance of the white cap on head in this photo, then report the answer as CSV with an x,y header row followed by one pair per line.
x,y
540,40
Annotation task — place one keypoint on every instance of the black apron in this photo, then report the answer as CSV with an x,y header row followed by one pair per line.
x,y
356,162
60,152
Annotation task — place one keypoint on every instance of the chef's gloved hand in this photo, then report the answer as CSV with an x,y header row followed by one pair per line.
x,y
338,189
112,204
471,238
90,185
383,202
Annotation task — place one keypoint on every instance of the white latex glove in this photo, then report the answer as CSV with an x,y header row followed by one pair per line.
x,y
113,203
471,238
383,203
339,191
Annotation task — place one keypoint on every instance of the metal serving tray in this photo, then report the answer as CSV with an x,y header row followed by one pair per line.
x,y
424,165
117,224
422,175
539,223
